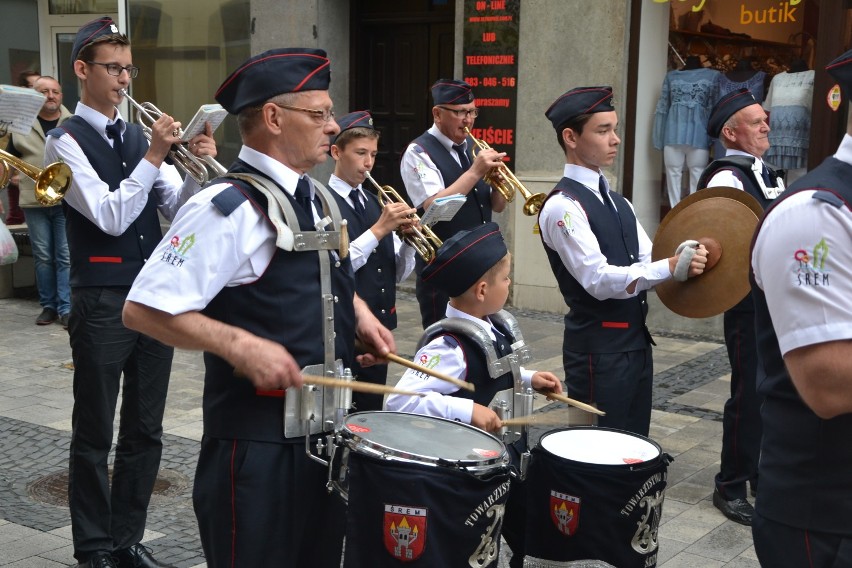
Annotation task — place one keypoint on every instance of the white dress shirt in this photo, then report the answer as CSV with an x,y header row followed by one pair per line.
x,y
361,247
226,251
803,263
421,176
565,228
450,360
114,211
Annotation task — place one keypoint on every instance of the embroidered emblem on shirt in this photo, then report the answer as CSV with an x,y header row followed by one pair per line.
x,y
177,251
810,268
420,170
428,361
565,225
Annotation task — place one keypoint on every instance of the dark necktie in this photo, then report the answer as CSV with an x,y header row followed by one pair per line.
x,y
303,196
355,196
113,131
767,177
602,187
465,161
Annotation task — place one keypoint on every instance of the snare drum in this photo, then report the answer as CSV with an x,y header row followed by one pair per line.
x,y
422,491
595,495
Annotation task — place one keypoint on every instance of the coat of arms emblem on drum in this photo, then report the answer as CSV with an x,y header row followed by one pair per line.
x,y
405,531
564,512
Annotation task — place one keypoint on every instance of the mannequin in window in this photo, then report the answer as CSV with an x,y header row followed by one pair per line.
x,y
742,76
680,123
788,103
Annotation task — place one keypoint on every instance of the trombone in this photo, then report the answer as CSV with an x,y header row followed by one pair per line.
x,y
506,183
180,154
421,238
51,183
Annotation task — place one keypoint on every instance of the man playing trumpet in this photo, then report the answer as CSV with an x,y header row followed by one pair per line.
x,y
438,164
379,257
120,183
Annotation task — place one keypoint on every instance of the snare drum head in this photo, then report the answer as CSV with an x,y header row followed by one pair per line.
x,y
421,438
602,446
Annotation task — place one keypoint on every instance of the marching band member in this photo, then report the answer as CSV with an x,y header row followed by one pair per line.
x,y
601,258
472,268
380,258
437,164
243,275
120,183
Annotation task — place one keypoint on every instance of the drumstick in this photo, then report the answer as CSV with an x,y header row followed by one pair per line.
x,y
575,403
420,368
437,374
534,419
356,385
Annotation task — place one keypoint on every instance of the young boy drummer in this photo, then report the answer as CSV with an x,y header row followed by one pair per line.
x,y
379,257
476,340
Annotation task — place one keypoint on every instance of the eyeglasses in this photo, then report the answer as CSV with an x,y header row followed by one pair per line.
x,y
324,115
115,69
462,113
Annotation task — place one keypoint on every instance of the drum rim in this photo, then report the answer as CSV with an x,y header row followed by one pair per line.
x,y
660,453
354,441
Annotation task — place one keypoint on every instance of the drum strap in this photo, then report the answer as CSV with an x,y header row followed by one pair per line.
x,y
512,362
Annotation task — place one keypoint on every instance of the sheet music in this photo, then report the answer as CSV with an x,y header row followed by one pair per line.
x,y
443,209
212,113
19,108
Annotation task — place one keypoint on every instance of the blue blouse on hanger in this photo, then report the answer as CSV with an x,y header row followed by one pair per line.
x,y
682,111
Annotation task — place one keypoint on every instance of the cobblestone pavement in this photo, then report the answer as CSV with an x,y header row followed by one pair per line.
x,y
691,385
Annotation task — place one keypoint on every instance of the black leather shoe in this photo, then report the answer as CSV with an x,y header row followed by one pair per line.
x,y
99,560
47,317
738,510
137,556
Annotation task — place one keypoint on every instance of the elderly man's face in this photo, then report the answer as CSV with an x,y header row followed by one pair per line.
x,y
750,131
305,139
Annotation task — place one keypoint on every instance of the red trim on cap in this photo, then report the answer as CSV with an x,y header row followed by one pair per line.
x,y
455,86
449,260
107,22
590,90
306,79
247,65
838,63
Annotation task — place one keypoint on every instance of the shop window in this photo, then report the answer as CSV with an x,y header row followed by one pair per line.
x,y
184,50
56,7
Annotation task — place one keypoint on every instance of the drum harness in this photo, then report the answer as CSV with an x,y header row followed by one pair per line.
x,y
312,409
514,402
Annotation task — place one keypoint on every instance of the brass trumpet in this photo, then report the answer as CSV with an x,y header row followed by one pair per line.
x,y
421,238
506,183
180,154
51,183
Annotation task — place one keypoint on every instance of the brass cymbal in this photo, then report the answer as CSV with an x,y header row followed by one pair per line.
x,y
724,220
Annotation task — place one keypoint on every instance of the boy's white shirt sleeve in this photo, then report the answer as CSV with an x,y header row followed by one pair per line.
x,y
447,358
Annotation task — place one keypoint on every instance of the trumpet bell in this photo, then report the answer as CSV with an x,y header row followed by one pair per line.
x,y
52,184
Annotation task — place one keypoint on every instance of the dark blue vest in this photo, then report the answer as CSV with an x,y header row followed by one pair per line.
x,y
477,207
376,280
99,259
285,306
602,326
805,462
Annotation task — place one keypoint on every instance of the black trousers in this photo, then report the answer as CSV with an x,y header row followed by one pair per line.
x,y
265,504
619,383
104,517
783,546
432,301
741,425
